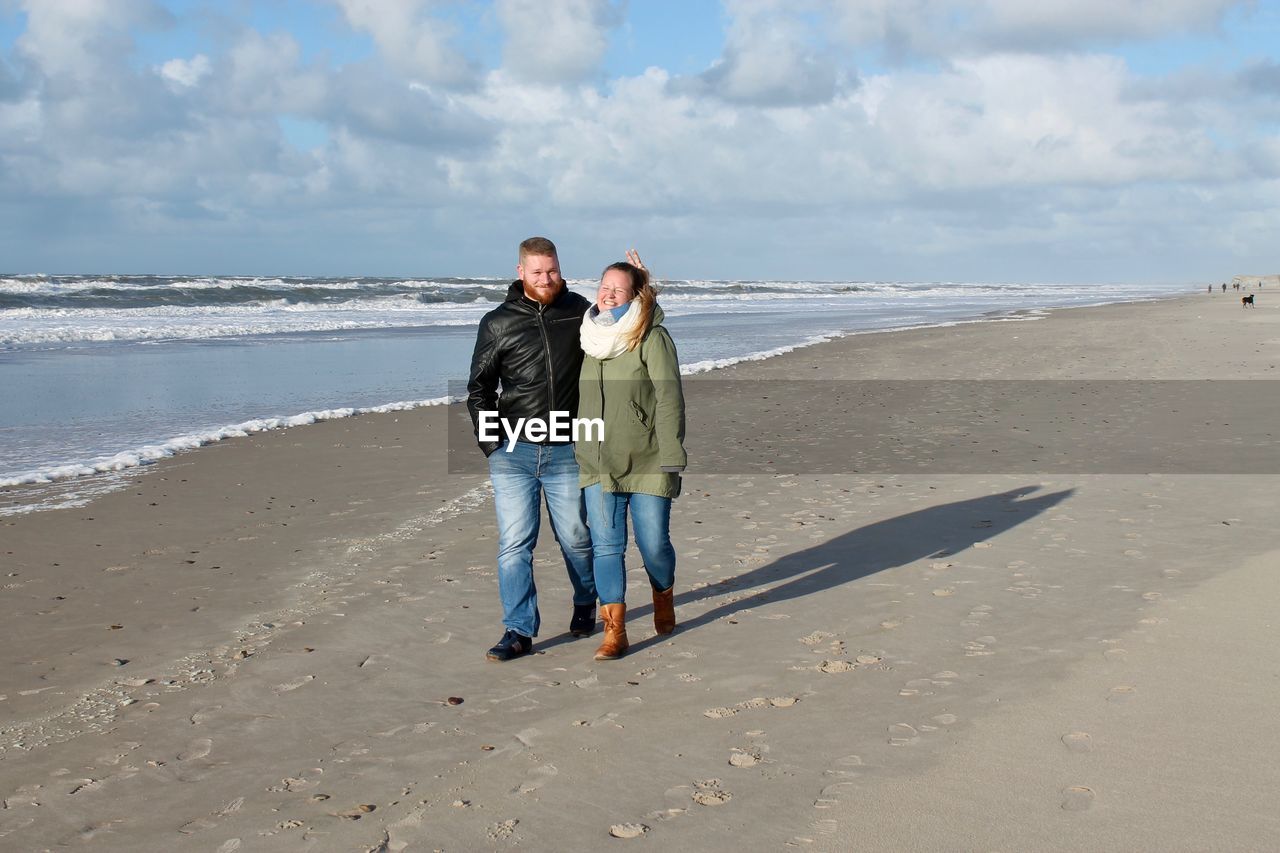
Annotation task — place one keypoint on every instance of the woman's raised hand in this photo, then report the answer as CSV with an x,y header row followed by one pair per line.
x,y
633,258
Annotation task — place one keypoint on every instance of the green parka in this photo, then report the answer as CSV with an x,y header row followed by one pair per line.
x,y
639,398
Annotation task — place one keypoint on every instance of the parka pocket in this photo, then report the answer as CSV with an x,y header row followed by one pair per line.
x,y
638,413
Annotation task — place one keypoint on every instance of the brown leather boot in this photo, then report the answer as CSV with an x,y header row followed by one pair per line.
x,y
615,642
664,610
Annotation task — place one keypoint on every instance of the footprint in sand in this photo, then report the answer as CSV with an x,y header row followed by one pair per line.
x,y
628,830
831,793
749,705
357,812
293,685
916,686
710,793
833,666
976,649
676,798
1078,741
903,734
744,757
1077,798
198,748
825,826
538,776
504,830
80,785
209,821
1121,693
93,830
204,715
301,782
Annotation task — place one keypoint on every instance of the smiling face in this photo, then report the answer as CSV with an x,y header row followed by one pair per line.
x,y
615,289
541,277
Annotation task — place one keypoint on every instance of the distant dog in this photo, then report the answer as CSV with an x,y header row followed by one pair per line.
x,y
1247,301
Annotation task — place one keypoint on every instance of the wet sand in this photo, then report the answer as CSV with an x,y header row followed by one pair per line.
x,y
888,640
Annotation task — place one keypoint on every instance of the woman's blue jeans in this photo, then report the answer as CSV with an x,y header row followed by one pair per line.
x,y
651,520
519,479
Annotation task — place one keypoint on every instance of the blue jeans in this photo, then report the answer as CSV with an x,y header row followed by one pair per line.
x,y
518,479
651,519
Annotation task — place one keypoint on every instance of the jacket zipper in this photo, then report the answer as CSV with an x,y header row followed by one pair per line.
x,y
546,351
600,450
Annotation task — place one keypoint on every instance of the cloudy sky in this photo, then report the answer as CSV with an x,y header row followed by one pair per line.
x,y
991,140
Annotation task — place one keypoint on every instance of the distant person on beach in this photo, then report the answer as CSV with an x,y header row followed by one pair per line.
x,y
529,346
630,380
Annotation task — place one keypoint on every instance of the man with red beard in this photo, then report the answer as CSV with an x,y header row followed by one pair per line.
x,y
529,346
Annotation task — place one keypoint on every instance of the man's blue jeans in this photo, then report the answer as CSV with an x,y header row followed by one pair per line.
x,y
519,479
651,519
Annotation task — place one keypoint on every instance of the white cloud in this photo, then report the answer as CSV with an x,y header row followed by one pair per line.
x,y
956,27
265,74
186,73
76,39
556,42
778,158
414,42
21,124
771,57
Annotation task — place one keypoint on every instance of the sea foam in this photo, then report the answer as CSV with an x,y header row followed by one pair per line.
x,y
153,452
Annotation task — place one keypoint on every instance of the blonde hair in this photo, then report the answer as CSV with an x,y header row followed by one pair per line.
x,y
646,298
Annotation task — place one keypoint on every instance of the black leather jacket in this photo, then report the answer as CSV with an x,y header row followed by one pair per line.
x,y
534,351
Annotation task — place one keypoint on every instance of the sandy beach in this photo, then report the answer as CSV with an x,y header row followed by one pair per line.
x,y
997,586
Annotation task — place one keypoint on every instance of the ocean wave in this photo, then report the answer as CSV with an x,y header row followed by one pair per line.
x,y
119,333
178,444
129,293
185,310
101,295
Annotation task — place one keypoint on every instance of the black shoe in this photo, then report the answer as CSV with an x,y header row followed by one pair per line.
x,y
583,623
512,645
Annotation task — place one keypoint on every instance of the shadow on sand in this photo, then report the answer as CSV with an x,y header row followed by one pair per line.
x,y
935,531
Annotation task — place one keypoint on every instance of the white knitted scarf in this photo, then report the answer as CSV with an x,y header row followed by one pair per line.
x,y
605,342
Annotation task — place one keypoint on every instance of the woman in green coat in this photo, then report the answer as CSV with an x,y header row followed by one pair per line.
x,y
631,381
